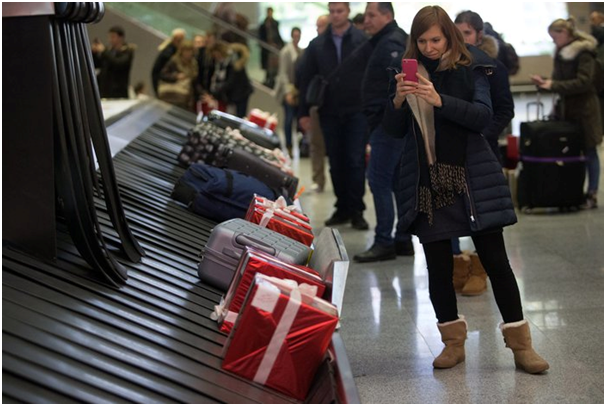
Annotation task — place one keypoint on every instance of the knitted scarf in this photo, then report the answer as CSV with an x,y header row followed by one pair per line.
x,y
442,166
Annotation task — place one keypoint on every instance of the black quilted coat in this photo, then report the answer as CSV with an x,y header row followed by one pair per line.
x,y
488,205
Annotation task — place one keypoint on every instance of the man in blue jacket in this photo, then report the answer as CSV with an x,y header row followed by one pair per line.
x,y
340,54
389,43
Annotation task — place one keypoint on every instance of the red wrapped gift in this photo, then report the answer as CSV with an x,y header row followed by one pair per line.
x,y
280,203
279,217
251,263
281,336
263,119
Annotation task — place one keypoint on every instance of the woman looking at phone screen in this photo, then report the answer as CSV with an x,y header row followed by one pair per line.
x,y
450,183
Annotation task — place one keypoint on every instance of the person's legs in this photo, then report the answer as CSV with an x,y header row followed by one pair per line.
x,y
441,291
456,246
593,174
492,253
355,138
241,108
289,115
337,155
516,331
453,329
317,150
384,158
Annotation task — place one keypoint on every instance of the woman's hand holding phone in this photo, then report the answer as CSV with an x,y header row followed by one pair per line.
x,y
427,92
403,88
423,88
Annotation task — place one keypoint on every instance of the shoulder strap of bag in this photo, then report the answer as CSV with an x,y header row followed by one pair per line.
x,y
349,58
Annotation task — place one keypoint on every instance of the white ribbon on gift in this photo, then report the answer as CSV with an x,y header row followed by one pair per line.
x,y
266,299
279,206
218,313
267,216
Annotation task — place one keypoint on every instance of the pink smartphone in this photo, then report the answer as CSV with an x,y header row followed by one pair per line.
x,y
409,67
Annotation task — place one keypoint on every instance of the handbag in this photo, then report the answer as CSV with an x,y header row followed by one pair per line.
x,y
316,89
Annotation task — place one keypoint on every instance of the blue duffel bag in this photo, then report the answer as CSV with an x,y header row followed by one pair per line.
x,y
218,194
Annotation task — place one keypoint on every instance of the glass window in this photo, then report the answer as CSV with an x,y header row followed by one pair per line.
x,y
522,24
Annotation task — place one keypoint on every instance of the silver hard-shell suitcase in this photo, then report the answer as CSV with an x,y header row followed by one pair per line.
x,y
226,245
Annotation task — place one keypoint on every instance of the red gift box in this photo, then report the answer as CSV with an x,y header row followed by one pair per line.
x,y
280,203
255,262
281,336
263,119
279,217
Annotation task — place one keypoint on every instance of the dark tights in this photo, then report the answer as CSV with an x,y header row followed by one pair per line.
x,y
491,250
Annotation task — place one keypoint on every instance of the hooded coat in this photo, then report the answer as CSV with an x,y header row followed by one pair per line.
x,y
574,67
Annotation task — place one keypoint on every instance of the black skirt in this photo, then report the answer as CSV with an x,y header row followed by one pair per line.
x,y
448,222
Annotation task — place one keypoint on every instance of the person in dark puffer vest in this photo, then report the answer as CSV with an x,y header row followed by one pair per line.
x,y
450,182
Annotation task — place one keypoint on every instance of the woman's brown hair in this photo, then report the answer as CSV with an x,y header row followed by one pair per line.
x,y
427,17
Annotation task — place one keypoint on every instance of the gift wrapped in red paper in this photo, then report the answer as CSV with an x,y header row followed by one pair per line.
x,y
252,262
263,119
280,203
279,217
281,336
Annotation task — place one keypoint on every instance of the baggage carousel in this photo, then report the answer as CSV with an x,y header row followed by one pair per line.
x,y
68,337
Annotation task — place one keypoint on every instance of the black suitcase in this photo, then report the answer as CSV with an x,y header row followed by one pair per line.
x,y
553,165
259,135
254,166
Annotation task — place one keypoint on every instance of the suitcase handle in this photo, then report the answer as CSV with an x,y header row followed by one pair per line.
x,y
244,240
540,109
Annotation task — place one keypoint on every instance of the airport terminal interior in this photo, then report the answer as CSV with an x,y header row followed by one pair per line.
x,y
69,337
389,326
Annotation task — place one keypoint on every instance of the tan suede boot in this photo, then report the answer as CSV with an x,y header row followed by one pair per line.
x,y
517,337
476,285
453,334
461,271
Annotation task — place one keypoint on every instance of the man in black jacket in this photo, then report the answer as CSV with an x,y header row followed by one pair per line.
x,y
388,42
114,63
340,54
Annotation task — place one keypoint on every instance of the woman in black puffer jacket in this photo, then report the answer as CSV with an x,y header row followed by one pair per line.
x,y
451,184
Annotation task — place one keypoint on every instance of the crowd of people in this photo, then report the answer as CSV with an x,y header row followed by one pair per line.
x,y
205,72
434,168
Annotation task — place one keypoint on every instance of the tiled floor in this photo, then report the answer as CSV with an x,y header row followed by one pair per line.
x,y
388,323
